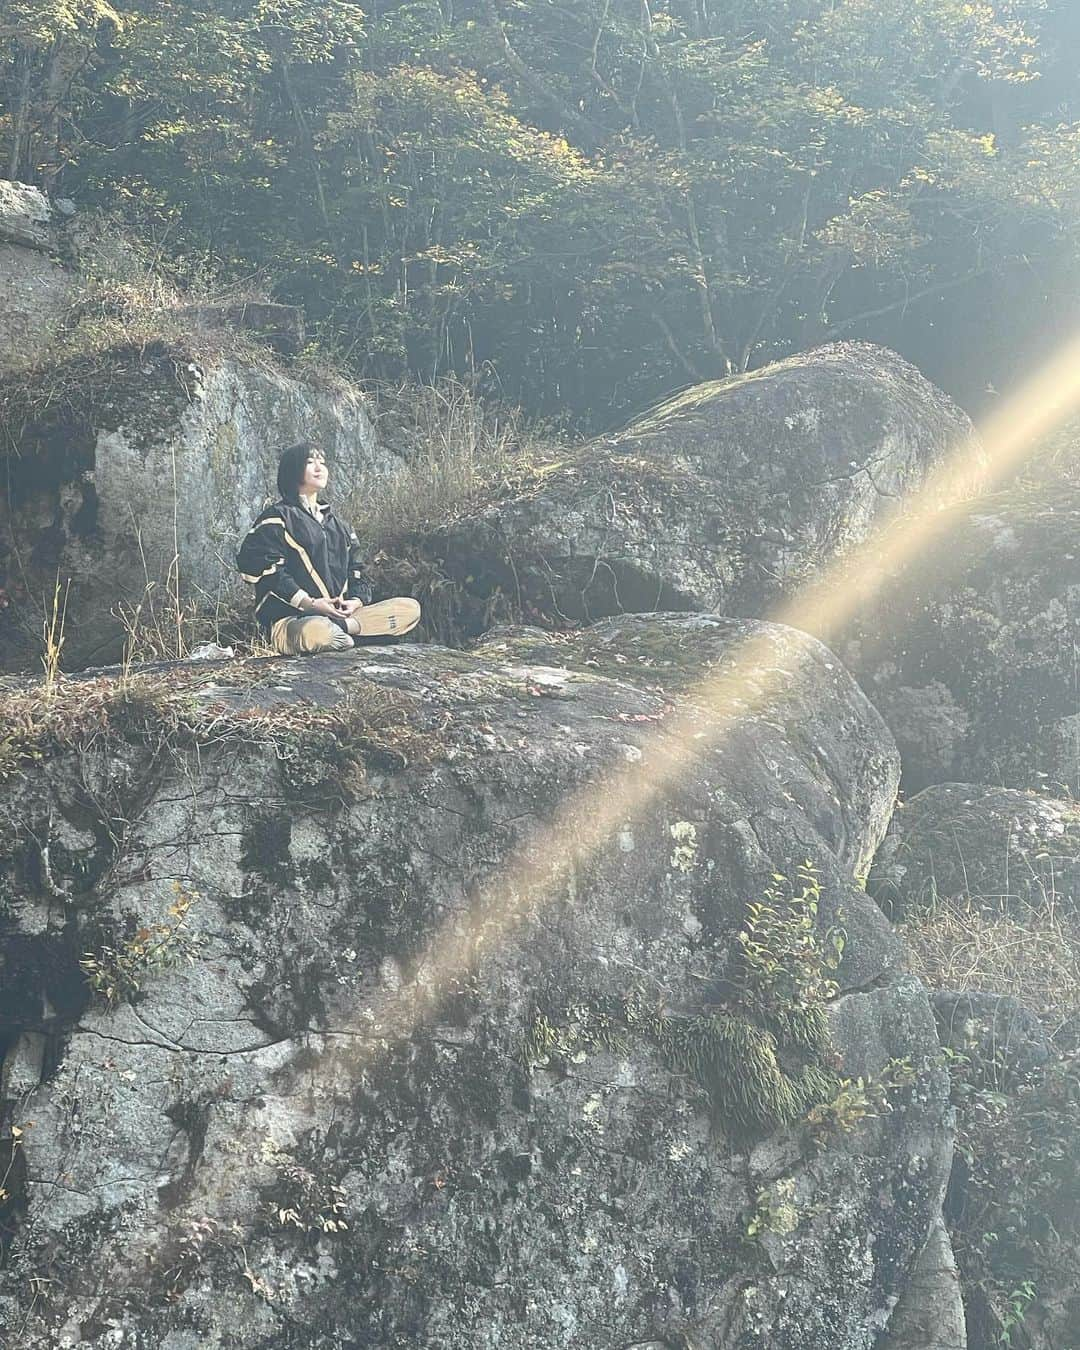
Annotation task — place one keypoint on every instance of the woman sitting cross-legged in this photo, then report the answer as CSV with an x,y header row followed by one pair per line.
x,y
311,592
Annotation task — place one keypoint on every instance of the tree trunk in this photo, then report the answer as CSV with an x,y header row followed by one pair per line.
x,y
50,122
21,119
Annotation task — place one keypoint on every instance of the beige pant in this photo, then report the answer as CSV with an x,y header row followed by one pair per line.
x,y
314,633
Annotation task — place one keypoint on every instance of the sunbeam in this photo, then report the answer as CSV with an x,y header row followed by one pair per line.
x,y
541,866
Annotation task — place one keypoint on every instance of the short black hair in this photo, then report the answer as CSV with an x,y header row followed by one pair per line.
x,y
292,464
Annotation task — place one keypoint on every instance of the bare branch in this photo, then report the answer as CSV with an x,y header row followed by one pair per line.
x,y
587,132
909,299
669,337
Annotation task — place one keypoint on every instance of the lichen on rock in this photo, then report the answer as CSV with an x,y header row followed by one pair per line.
x,y
324,1128
726,497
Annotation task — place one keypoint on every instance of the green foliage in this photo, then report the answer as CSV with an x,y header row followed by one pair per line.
x,y
1015,1202
595,202
775,1211
786,966
741,1066
119,973
859,1099
765,1056
307,1201
1019,1300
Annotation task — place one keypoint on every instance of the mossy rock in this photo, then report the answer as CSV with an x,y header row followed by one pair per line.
x,y
997,849
971,653
726,498
330,1077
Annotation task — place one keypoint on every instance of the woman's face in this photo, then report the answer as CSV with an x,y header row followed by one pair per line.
x,y
315,474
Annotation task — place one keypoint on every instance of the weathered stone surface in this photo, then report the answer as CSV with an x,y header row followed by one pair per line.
x,y
988,879
971,655
34,286
122,463
1005,851
930,1314
681,654
189,1151
26,218
34,291
725,498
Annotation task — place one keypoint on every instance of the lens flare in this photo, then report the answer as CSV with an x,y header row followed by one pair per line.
x,y
542,865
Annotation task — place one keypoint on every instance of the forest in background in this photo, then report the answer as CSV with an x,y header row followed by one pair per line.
x,y
583,204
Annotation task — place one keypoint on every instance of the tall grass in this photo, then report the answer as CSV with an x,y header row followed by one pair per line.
x,y
1035,956
455,450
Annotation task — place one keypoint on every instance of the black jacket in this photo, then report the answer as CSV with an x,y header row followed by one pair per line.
x,y
288,550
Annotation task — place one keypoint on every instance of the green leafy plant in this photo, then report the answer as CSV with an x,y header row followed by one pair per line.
x,y
775,1211
764,1055
1020,1300
118,973
859,1099
783,962
786,966
307,1201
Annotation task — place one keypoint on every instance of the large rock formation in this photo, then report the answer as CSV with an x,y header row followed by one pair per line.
x,y
34,284
996,848
971,656
725,498
930,1315
393,1061
117,464
987,881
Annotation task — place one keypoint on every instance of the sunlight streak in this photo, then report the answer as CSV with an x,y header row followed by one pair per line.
x,y
542,865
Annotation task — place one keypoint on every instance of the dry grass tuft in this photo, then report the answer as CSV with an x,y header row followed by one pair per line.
x,y
957,945
122,297
202,705
457,451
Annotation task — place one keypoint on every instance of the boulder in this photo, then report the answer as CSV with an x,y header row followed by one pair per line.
x,y
930,1314
405,1048
35,288
987,881
726,497
26,218
993,1031
131,475
999,849
971,654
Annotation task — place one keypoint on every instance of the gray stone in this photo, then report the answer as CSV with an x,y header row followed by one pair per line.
x,y
22,1066
930,1314
127,462
26,218
971,652
1004,851
727,497
35,289
929,725
193,1151
34,294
